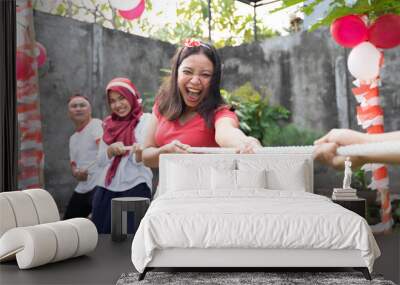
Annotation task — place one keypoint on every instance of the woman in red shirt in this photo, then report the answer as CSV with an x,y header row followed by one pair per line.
x,y
189,109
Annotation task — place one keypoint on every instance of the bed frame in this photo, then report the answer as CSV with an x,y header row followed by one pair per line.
x,y
256,258
241,259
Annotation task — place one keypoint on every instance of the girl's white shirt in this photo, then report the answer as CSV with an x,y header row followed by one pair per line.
x,y
129,173
83,150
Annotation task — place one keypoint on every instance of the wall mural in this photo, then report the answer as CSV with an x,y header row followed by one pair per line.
x,y
30,55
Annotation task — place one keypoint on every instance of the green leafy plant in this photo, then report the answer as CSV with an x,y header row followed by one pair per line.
x,y
340,8
359,180
254,112
148,102
269,124
290,135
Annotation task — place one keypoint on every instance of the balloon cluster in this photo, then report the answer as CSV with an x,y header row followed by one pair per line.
x,y
129,9
365,59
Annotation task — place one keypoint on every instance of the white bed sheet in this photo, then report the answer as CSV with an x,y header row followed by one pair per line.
x,y
252,218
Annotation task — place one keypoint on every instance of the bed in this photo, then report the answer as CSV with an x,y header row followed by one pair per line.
x,y
247,210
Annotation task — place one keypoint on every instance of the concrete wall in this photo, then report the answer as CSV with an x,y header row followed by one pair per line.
x,y
309,70
305,72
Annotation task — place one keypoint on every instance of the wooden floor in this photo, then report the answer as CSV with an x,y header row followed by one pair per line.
x,y
389,262
110,259
102,266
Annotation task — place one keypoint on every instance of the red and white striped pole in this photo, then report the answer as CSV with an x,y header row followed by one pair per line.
x,y
364,63
370,117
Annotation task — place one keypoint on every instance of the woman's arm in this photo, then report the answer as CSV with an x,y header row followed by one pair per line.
x,y
326,153
326,147
151,153
346,136
228,134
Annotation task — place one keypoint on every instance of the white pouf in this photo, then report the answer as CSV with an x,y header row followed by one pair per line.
x,y
31,233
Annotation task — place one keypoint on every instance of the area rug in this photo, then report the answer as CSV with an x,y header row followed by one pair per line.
x,y
243,278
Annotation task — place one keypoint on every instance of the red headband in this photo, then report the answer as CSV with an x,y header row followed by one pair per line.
x,y
194,43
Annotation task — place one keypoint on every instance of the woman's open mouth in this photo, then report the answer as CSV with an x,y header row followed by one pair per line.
x,y
193,95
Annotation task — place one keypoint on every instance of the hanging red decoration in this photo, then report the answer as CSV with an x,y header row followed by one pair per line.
x,y
385,31
134,13
41,54
349,31
24,66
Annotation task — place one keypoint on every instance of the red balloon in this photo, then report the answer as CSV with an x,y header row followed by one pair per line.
x,y
349,31
41,58
385,32
24,66
134,13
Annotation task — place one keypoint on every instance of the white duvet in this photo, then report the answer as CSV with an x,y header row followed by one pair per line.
x,y
255,218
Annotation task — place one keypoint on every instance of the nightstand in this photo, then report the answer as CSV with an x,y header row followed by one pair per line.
x,y
357,205
119,208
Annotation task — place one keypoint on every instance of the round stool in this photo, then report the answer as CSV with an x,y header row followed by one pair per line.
x,y
119,208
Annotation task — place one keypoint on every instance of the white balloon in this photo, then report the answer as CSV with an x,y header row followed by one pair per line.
x,y
124,5
363,61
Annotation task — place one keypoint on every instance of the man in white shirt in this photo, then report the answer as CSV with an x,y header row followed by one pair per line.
x,y
83,148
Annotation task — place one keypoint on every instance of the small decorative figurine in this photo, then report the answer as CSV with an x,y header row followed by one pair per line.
x,y
347,174
345,193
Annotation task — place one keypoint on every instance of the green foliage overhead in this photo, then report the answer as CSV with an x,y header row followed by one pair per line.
x,y
192,21
269,124
98,12
340,8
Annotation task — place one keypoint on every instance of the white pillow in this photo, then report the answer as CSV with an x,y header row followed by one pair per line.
x,y
227,179
293,180
187,173
223,179
251,178
283,174
186,177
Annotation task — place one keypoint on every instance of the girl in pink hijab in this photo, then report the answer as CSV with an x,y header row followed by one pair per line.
x,y
120,155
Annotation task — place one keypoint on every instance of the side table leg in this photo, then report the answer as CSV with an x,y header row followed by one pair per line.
x,y
116,221
124,218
